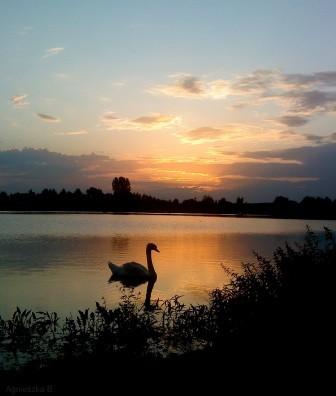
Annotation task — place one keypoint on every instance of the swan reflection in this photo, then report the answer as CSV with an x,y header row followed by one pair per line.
x,y
128,282
131,283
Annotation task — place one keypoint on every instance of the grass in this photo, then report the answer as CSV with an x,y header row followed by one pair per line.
x,y
274,317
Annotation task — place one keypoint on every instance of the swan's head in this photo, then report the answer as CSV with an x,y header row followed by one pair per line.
x,y
152,246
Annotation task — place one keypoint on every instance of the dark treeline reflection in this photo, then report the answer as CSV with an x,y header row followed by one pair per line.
x,y
123,200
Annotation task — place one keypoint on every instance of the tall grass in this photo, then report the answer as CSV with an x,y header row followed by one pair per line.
x,y
271,301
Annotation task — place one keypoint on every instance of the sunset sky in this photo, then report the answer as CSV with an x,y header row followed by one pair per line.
x,y
185,98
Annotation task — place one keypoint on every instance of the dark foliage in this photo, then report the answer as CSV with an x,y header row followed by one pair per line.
x,y
123,200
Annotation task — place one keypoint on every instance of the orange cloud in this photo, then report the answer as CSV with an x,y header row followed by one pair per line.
x,y
191,87
154,122
73,133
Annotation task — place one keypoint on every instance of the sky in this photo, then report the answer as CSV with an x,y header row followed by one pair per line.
x,y
185,98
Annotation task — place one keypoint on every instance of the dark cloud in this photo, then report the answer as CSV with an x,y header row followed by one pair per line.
x,y
160,120
305,158
292,120
109,115
259,80
315,138
48,118
308,101
320,78
186,86
304,171
191,84
21,170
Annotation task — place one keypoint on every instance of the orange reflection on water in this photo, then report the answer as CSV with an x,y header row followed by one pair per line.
x,y
189,265
59,262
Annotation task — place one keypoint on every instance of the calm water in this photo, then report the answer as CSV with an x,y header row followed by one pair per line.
x,y
58,262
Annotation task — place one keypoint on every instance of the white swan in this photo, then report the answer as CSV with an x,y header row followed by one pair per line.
x,y
136,271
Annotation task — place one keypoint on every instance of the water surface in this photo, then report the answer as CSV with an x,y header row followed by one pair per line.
x,y
58,262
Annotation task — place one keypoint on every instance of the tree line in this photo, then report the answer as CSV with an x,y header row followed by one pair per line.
x,y
122,199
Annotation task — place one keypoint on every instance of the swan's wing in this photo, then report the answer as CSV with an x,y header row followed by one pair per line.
x,y
131,269
134,269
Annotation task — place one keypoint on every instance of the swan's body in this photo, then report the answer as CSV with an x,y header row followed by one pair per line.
x,y
135,271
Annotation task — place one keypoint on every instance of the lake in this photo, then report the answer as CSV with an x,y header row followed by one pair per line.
x,y
57,262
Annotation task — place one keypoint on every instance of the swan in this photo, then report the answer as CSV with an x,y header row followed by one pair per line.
x,y
136,272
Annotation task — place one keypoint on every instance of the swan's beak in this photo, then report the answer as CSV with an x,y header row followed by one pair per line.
x,y
157,250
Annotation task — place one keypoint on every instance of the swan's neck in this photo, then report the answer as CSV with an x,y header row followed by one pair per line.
x,y
150,266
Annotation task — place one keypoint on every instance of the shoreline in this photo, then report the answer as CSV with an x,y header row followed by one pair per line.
x,y
230,215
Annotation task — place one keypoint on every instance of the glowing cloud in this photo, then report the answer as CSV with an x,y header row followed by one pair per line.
x,y
229,132
234,134
154,122
52,52
18,100
73,133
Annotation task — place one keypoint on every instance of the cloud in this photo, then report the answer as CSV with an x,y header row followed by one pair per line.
x,y
257,82
297,163
259,176
21,170
191,87
48,118
187,86
209,134
294,173
231,133
73,133
260,157
153,122
52,52
311,102
18,100
292,120
323,79
299,94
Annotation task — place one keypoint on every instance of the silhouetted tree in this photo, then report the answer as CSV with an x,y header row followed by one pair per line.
x,y
207,204
123,200
78,193
94,193
240,200
121,185
190,205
